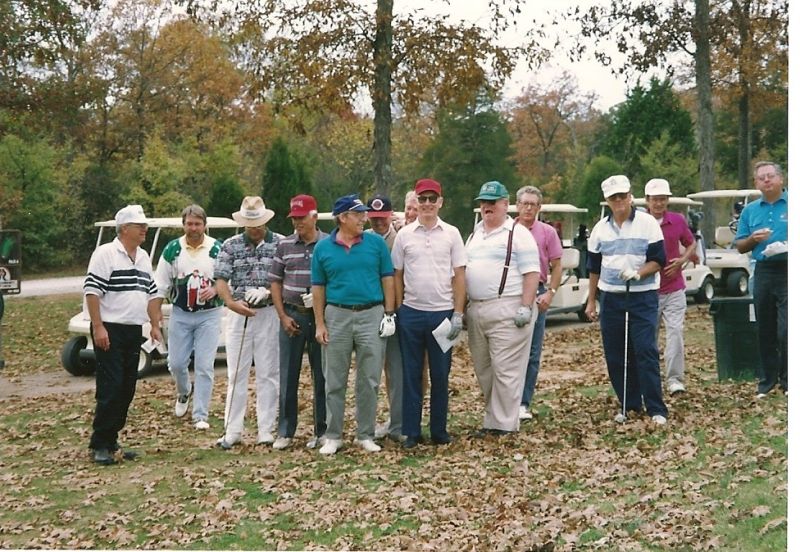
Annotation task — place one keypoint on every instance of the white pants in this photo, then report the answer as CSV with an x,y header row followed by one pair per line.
x,y
672,309
259,346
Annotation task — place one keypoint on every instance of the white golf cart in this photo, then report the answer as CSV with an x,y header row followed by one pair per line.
x,y
574,288
731,269
77,354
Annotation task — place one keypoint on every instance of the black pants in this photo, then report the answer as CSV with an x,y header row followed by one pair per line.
x,y
115,385
771,299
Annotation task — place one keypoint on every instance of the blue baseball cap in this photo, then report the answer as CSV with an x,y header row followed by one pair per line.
x,y
348,203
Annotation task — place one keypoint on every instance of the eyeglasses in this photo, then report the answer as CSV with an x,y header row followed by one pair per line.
x,y
488,201
433,198
763,177
528,204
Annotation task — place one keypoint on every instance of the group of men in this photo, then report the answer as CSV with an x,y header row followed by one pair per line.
x,y
397,297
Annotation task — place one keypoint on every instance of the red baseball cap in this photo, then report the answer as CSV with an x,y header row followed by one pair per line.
x,y
302,205
427,185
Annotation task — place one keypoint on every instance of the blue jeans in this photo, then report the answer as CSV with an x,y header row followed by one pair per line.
x,y
292,349
771,300
414,329
199,332
532,373
644,375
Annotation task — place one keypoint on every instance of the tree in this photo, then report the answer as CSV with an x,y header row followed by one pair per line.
x,y
472,146
590,195
285,176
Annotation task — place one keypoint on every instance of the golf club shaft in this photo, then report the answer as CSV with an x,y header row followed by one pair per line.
x,y
625,352
235,378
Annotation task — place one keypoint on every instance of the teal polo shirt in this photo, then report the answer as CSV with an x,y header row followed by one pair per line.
x,y
351,275
760,214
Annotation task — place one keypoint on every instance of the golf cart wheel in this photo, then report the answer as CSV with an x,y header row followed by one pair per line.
x,y
145,367
582,315
71,357
736,283
706,292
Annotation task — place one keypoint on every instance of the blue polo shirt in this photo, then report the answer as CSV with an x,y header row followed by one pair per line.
x,y
760,214
351,275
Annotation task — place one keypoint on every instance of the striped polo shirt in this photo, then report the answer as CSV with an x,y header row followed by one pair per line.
x,y
292,266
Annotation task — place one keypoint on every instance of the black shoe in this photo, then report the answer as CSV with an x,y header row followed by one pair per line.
x,y
103,457
446,440
410,442
481,433
396,437
499,432
126,454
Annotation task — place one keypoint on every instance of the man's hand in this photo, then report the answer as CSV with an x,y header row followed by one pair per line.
x,y
523,316
456,325
591,311
207,293
100,337
290,326
630,274
256,296
387,327
241,307
543,301
673,267
321,334
155,333
760,235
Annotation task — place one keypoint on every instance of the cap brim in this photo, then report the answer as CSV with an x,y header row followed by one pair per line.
x,y
379,214
249,223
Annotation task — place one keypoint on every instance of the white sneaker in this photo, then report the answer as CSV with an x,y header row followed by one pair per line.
x,y
331,446
658,419
368,445
761,396
265,439
201,424
315,442
524,413
381,430
182,404
620,418
282,443
676,387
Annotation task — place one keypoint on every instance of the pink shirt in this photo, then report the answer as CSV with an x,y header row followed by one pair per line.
x,y
676,232
549,247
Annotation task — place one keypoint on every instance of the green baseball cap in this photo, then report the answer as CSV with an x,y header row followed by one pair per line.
x,y
492,191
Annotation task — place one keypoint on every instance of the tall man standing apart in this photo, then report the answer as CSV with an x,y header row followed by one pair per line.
x,y
429,260
194,322
502,275
353,285
671,293
529,203
120,296
627,248
290,277
764,230
252,325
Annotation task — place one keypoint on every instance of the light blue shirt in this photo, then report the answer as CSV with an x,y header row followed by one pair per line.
x,y
760,214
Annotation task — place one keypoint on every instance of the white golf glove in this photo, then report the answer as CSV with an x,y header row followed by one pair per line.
x,y
776,248
523,316
630,274
256,296
308,300
456,325
386,328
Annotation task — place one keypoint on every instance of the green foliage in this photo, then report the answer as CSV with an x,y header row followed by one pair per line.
x,y
226,196
285,176
664,159
472,147
590,195
645,115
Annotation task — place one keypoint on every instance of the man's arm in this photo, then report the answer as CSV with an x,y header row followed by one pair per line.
x,y
287,322
459,289
318,293
591,301
399,288
154,313
239,307
99,332
546,298
387,283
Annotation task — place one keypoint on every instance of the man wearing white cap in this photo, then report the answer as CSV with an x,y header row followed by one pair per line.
x,y
251,334
671,293
120,296
626,249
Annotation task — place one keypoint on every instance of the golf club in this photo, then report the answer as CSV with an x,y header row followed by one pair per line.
x,y
622,416
235,377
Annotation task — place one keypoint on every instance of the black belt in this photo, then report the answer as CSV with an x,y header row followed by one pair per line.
x,y
357,307
298,308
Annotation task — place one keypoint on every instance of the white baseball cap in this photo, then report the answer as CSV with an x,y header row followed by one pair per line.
x,y
657,187
617,184
131,214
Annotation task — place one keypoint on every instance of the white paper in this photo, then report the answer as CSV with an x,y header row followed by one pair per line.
x,y
149,345
440,333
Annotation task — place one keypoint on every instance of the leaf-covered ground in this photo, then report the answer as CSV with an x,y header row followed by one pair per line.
x,y
714,478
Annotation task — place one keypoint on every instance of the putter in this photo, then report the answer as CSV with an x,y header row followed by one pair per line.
x,y
314,440
622,416
233,387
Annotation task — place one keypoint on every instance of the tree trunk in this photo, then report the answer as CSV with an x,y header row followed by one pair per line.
x,y
745,133
382,96
705,110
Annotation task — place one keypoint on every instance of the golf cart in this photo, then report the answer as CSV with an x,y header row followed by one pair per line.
x,y
574,288
77,354
731,269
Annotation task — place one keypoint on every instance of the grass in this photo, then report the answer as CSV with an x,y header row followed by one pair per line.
x,y
716,477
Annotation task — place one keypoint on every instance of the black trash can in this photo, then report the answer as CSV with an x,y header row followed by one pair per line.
x,y
736,338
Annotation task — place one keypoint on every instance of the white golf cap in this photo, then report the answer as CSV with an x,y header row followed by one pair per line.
x,y
617,184
131,214
657,187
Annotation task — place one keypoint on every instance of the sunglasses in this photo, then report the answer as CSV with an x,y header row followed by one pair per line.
x,y
432,198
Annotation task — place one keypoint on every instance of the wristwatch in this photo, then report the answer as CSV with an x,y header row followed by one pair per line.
x,y
551,289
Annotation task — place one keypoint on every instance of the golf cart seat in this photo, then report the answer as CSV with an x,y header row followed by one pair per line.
x,y
723,236
570,260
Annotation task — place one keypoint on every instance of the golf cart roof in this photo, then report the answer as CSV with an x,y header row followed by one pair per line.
x,y
329,215
716,194
679,201
177,222
547,208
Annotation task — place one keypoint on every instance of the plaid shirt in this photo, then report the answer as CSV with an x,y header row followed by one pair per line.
x,y
243,265
292,266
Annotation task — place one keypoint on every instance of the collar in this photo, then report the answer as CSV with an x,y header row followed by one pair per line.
x,y
610,218
783,197
204,243
298,239
417,224
267,238
121,248
335,237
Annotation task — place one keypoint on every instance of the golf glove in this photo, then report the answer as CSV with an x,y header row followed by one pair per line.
x,y
386,328
523,316
456,325
308,300
776,248
630,274
256,296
